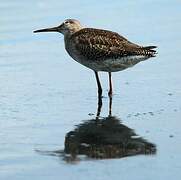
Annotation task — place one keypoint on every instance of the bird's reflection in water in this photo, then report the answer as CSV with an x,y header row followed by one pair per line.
x,y
103,138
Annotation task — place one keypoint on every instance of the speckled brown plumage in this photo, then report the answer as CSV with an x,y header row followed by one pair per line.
x,y
96,44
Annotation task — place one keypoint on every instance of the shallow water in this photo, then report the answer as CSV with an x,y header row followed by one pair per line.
x,y
44,94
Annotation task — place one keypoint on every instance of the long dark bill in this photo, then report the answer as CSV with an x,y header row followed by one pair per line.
x,y
54,29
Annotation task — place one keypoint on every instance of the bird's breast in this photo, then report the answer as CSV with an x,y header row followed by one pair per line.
x,y
70,47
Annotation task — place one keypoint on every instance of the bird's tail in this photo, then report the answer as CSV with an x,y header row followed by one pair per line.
x,y
149,50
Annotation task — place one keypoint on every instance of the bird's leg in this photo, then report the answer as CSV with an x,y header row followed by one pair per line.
x,y
110,105
98,85
110,85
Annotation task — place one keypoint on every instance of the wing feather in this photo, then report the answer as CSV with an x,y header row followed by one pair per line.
x,y
95,44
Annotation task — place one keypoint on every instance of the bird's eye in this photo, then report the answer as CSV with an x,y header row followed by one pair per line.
x,y
66,22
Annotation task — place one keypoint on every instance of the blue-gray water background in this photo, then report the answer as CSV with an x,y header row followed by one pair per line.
x,y
44,93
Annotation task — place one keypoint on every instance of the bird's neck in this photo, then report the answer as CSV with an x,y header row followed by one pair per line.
x,y
69,33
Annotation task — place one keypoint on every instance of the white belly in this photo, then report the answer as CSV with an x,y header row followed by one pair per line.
x,y
113,65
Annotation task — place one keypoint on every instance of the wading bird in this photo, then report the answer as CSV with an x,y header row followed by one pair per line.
x,y
100,50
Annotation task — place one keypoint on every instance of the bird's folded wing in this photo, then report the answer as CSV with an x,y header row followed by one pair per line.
x,y
96,44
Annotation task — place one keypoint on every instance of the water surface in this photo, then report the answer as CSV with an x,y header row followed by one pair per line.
x,y
44,95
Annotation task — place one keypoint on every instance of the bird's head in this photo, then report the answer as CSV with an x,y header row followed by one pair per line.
x,y
69,26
